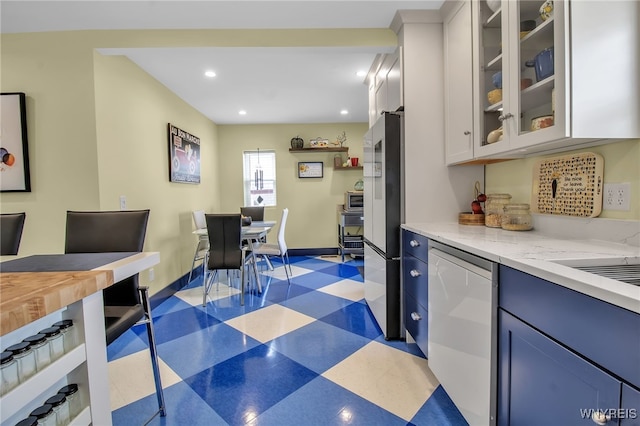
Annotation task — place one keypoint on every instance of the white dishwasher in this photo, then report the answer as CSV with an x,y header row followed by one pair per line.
x,y
462,342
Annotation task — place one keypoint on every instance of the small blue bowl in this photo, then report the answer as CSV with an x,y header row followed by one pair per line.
x,y
497,80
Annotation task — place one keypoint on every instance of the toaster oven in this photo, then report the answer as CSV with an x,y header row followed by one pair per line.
x,y
354,201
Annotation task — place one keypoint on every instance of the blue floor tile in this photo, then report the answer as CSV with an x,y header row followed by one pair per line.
x,y
250,383
439,410
356,318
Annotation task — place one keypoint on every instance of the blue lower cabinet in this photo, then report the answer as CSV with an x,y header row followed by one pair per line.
x,y
415,320
629,415
543,383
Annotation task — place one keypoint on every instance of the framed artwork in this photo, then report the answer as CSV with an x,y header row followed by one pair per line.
x,y
310,169
184,156
14,152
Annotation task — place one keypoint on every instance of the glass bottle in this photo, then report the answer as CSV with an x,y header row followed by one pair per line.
x,y
55,340
9,372
45,414
494,209
40,348
60,407
25,359
73,398
68,331
517,217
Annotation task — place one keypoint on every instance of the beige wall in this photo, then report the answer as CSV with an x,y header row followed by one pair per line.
x,y
132,111
97,130
621,164
311,202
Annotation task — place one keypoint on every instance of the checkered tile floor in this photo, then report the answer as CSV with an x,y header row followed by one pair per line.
x,y
306,354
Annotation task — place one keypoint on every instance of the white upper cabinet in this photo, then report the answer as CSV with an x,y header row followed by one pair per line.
x,y
385,84
458,77
547,76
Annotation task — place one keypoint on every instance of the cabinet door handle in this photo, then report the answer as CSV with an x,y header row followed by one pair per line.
x,y
414,273
466,132
503,117
598,417
414,243
416,316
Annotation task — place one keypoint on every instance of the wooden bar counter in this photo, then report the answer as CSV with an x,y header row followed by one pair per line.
x,y
27,296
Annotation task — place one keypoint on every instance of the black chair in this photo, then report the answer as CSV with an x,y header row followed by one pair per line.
x,y
225,251
11,225
126,303
256,213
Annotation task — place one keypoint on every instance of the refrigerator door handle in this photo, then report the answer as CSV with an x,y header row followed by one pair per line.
x,y
374,248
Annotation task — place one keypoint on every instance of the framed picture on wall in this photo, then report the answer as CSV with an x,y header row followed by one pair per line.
x,y
310,169
14,152
184,156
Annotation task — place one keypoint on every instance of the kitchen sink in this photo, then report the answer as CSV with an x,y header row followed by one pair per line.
x,y
626,273
626,270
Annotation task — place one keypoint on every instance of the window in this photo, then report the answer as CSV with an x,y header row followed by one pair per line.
x,y
259,178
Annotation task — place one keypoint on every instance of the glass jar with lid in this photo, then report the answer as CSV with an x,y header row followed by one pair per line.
x,y
55,340
68,331
517,217
70,391
40,348
494,209
9,372
45,414
60,407
25,359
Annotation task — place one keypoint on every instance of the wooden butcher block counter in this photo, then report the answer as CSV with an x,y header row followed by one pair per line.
x,y
27,296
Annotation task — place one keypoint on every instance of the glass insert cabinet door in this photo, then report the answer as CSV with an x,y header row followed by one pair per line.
x,y
521,84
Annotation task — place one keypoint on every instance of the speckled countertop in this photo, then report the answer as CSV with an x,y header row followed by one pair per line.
x,y
538,254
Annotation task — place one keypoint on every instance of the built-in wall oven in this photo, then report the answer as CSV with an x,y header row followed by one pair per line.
x,y
462,342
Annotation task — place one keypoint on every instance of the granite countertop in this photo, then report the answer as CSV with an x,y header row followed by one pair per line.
x,y
538,254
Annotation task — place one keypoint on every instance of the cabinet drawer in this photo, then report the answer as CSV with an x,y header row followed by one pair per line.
x,y
415,245
604,333
415,320
415,279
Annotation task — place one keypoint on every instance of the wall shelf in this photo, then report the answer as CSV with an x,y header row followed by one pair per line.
x,y
319,149
347,168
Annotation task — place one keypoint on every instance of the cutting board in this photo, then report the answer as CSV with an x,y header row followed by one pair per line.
x,y
569,185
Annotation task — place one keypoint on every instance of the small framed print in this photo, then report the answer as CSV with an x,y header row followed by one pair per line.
x,y
310,169
14,153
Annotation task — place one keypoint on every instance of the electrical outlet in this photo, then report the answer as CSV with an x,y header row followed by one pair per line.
x,y
123,202
152,274
616,196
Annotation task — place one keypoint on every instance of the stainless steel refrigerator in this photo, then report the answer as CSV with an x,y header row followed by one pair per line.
x,y
383,214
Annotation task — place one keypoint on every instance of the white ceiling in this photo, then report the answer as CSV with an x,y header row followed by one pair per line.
x,y
274,85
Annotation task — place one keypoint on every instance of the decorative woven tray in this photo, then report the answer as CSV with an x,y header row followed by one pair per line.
x,y
569,185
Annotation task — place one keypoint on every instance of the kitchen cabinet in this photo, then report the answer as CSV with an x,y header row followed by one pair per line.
x,y
590,89
414,283
458,77
555,352
385,84
84,365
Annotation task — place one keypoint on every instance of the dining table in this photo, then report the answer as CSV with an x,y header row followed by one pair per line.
x,y
251,233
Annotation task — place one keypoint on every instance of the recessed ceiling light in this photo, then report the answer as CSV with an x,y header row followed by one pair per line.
x,y
242,112
210,73
361,73
344,112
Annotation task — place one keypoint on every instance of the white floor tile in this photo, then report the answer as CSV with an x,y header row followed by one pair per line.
x,y
131,378
347,289
193,296
268,323
395,380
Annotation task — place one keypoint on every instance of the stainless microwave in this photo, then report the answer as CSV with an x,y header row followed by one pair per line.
x,y
354,201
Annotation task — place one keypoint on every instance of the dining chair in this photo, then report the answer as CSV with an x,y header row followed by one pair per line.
x,y
203,241
126,303
255,212
225,251
279,249
11,226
